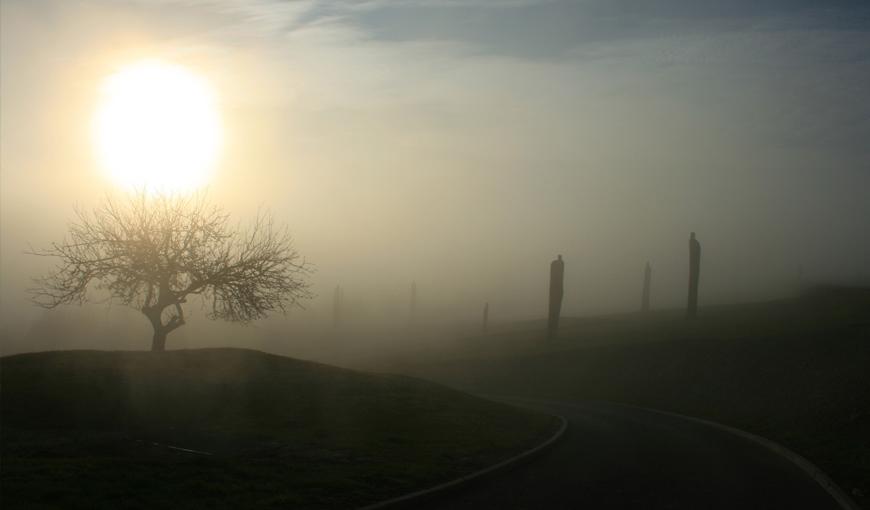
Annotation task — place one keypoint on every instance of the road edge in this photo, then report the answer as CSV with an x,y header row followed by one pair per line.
x,y
813,471
457,483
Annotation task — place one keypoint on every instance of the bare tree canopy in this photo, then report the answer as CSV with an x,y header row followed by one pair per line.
x,y
153,252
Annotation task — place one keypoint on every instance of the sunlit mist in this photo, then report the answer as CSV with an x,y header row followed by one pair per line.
x,y
157,127
439,254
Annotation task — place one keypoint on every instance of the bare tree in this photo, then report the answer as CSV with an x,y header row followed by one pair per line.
x,y
154,252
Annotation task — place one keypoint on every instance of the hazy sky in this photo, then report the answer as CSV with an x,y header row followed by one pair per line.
x,y
464,143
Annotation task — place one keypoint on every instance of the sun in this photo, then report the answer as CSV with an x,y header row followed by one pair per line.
x,y
157,128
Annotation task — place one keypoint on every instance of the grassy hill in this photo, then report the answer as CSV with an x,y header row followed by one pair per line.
x,y
796,371
231,428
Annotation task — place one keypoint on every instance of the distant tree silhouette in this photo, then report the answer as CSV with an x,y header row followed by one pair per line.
x,y
557,276
485,317
694,274
647,281
154,252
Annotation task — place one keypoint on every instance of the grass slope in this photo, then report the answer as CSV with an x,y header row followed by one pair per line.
x,y
795,371
92,429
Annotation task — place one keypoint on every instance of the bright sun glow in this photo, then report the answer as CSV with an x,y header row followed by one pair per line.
x,y
157,128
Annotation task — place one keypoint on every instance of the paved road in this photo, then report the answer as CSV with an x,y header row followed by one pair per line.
x,y
620,457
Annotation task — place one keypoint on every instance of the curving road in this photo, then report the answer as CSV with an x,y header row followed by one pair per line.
x,y
614,456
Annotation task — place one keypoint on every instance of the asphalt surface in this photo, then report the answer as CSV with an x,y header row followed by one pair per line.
x,y
620,457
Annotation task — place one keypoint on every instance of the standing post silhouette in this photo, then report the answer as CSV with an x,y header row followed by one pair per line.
x,y
694,273
485,317
412,306
800,277
557,275
647,280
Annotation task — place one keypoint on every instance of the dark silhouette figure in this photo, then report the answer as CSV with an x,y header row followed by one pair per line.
x,y
694,273
485,317
557,276
412,307
337,305
647,280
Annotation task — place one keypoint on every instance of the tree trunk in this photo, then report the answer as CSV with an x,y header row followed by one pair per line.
x,y
158,342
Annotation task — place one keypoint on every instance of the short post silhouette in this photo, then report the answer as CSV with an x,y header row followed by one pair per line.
x,y
412,306
694,274
485,317
647,280
557,276
337,304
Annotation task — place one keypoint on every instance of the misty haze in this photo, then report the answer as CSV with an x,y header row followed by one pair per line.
x,y
434,254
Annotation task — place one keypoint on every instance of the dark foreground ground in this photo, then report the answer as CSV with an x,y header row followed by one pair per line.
x,y
231,428
614,457
795,371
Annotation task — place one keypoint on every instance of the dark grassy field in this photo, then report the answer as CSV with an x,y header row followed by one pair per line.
x,y
93,429
796,371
